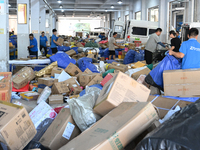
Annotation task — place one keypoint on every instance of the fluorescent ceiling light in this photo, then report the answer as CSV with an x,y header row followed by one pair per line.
x,y
62,10
119,2
59,1
9,5
61,6
112,6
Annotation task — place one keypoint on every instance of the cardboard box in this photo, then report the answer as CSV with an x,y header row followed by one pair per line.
x,y
120,88
88,71
71,53
165,104
79,44
122,68
22,77
29,96
106,79
41,112
116,129
56,99
47,76
16,127
138,65
102,58
72,69
60,88
67,43
43,82
140,71
5,86
28,108
96,80
75,89
183,83
60,41
53,138
56,70
84,79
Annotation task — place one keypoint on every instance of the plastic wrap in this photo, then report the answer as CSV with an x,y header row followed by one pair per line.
x,y
44,95
82,108
155,77
47,70
180,132
63,59
95,85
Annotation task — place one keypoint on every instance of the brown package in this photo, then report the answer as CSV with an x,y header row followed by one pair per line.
x,y
56,70
60,41
5,86
71,52
72,69
56,99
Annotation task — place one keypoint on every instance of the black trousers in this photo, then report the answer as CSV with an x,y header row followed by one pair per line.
x,y
148,57
33,53
45,49
54,50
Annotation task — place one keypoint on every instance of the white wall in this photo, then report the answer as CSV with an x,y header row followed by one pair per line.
x,y
13,23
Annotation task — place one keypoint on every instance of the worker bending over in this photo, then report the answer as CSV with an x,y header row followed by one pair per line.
x,y
175,41
54,42
152,45
112,44
43,43
189,51
33,48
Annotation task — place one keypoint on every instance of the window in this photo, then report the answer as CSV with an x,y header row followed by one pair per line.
x,y
118,29
153,14
151,31
138,15
139,31
96,33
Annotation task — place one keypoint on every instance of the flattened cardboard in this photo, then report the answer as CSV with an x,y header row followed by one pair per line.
x,y
5,86
121,88
72,69
183,83
16,127
53,138
56,70
116,129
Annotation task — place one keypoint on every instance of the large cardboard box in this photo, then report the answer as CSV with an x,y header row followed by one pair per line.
x,y
71,52
61,131
43,82
88,71
22,77
56,70
60,41
72,69
60,88
5,86
75,89
140,71
16,127
96,80
122,68
29,96
79,44
116,129
56,99
183,83
118,89
84,79
165,104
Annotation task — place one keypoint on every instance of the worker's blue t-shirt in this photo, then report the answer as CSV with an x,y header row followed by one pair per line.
x,y
178,37
191,49
34,42
53,45
43,41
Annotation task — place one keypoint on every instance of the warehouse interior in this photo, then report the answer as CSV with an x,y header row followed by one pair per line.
x,y
99,74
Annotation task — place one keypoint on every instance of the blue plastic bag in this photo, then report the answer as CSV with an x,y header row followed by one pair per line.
x,y
155,77
139,56
62,59
130,56
63,48
49,52
85,63
96,85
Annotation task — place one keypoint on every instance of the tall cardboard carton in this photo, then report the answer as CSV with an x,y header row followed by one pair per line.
x,y
5,86
121,88
183,83
53,138
16,127
72,69
116,129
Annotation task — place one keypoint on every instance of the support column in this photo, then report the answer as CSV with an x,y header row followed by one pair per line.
x,y
47,28
144,10
35,17
131,10
4,36
162,19
23,33
50,24
42,17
